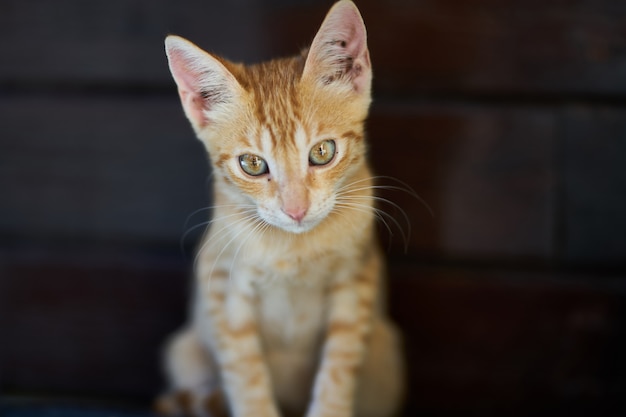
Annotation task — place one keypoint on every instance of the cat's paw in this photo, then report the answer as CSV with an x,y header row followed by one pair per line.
x,y
191,404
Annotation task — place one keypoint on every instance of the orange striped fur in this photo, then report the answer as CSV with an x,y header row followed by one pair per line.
x,y
288,315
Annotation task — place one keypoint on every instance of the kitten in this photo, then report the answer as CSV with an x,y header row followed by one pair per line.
x,y
288,311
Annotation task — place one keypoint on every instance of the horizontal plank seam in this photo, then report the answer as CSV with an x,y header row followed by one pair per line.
x,y
500,98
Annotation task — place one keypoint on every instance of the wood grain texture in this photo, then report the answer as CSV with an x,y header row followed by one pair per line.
x,y
449,46
116,41
501,342
99,168
495,177
490,341
506,117
594,175
486,172
482,46
86,324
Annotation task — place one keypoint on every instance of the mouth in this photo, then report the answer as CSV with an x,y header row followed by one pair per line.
x,y
299,227
292,226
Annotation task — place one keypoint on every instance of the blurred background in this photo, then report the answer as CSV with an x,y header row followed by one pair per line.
x,y
508,118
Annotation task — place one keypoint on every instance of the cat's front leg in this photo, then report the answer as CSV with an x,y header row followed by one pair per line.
x,y
351,305
235,340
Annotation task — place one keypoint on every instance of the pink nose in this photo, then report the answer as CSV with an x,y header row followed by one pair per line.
x,y
296,213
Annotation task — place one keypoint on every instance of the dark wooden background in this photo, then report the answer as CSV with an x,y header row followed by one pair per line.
x,y
507,117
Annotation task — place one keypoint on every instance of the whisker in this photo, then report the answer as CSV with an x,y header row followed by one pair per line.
x,y
259,225
355,182
248,224
391,203
214,237
207,223
188,230
214,207
368,210
403,186
207,208
410,191
217,219
352,193
380,215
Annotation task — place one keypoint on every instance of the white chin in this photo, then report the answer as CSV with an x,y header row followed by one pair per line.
x,y
292,226
298,228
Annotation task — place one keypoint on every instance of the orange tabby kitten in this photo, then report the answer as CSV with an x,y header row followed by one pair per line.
x,y
288,314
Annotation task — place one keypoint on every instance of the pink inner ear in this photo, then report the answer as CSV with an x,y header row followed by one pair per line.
x,y
188,76
194,107
346,26
339,49
184,76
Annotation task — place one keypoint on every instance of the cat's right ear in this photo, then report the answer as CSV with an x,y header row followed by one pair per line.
x,y
206,87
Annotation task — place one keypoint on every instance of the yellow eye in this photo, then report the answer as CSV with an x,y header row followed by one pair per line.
x,y
322,153
253,165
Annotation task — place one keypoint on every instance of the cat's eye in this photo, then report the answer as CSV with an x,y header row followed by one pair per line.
x,y
253,165
322,153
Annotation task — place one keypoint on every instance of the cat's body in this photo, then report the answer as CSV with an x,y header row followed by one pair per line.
x,y
288,312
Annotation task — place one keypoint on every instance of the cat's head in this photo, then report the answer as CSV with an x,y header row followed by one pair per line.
x,y
283,136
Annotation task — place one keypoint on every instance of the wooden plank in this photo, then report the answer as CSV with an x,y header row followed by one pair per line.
x,y
129,169
116,41
486,172
483,47
444,47
594,182
479,341
499,342
99,168
75,326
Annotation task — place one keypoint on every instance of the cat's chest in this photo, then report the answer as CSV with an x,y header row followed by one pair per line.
x,y
289,267
291,289
291,315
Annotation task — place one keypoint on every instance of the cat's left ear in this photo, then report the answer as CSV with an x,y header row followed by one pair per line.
x,y
339,52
